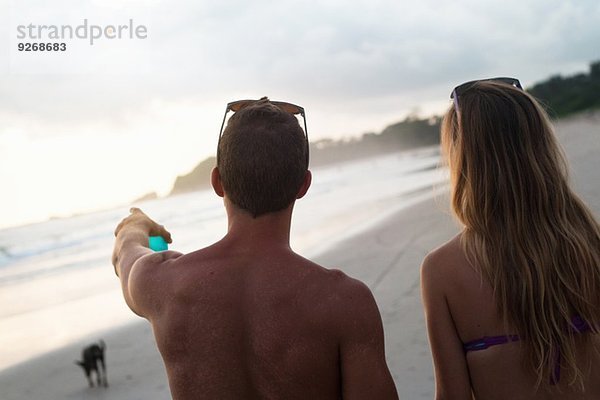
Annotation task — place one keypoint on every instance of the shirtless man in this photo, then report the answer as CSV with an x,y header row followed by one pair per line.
x,y
247,318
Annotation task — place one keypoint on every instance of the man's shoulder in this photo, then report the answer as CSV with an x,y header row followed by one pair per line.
x,y
333,278
199,257
343,291
154,263
348,286
344,302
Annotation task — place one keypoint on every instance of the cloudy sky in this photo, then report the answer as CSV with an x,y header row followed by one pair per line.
x,y
99,125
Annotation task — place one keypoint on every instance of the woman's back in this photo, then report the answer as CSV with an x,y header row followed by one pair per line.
x,y
496,372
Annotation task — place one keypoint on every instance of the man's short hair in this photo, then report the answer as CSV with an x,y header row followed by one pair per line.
x,y
262,158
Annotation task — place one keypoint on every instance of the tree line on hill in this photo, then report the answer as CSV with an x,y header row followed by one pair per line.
x,y
563,96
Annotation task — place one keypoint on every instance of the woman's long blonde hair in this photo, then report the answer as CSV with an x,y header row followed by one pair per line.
x,y
532,238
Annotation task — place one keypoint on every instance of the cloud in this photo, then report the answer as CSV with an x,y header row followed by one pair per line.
x,y
325,51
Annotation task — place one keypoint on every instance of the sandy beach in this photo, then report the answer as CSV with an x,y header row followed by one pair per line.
x,y
386,257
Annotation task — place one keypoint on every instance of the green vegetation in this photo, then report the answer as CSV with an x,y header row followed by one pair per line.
x,y
562,96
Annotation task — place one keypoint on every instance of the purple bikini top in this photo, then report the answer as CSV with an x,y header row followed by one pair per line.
x,y
578,325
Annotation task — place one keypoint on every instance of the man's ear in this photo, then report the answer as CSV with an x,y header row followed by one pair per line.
x,y
305,185
215,180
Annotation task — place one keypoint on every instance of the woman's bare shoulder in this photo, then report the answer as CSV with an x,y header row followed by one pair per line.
x,y
445,264
450,252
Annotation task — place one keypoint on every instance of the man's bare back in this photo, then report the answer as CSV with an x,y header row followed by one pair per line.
x,y
248,318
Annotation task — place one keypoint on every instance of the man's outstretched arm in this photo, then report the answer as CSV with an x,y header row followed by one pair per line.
x,y
365,374
131,253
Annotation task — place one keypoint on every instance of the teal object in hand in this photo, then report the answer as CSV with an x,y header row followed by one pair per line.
x,y
157,243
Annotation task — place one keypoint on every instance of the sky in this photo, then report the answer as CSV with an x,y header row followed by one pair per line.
x,y
101,124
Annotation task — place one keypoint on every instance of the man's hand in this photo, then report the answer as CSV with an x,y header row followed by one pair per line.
x,y
140,220
133,231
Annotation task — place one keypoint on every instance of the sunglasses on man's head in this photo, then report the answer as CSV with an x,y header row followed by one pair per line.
x,y
293,109
461,89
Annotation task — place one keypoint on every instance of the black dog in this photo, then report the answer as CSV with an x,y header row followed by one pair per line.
x,y
91,356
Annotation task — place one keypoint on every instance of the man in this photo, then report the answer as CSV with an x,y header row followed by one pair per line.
x,y
247,318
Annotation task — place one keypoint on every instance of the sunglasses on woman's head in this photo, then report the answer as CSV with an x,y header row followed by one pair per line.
x,y
293,109
461,89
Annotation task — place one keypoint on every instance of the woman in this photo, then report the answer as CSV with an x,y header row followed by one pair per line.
x,y
513,302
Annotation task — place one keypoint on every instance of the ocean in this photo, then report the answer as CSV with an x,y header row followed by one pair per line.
x,y
57,284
